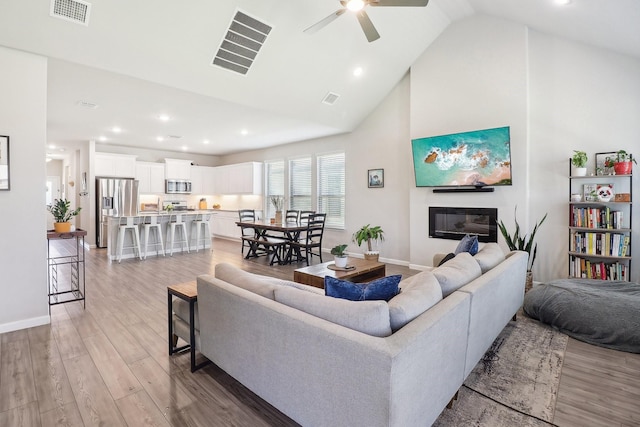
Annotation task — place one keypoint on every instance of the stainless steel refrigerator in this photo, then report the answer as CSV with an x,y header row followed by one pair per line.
x,y
114,197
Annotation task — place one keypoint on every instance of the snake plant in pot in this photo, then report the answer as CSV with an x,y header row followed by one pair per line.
x,y
524,242
62,213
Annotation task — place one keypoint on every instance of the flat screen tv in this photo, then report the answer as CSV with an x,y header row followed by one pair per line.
x,y
475,159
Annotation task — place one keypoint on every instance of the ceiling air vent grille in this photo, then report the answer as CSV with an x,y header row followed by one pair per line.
x,y
71,10
330,98
244,38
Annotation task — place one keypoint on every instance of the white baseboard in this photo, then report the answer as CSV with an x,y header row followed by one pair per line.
x,y
26,323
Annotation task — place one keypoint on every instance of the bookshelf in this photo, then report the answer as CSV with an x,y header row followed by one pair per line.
x,y
600,226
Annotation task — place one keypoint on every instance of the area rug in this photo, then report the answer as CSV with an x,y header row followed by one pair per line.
x,y
516,382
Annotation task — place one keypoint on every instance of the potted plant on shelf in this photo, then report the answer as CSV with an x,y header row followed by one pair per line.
x,y
371,235
579,161
60,209
516,242
339,255
278,203
622,164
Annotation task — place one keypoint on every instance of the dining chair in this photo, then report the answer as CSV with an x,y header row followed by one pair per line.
x,y
291,216
248,234
304,216
312,239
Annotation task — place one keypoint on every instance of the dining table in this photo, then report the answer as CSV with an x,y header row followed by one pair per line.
x,y
267,231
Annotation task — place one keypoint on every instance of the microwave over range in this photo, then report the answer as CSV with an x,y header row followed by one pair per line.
x,y
177,186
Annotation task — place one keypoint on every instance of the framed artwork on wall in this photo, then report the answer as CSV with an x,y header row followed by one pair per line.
x,y
5,181
375,178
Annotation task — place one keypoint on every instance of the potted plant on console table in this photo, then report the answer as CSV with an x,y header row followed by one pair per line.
x,y
339,255
370,235
60,209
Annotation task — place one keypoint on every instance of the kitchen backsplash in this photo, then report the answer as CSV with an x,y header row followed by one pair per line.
x,y
228,202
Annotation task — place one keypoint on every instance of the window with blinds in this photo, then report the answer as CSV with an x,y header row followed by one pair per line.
x,y
300,184
331,189
274,171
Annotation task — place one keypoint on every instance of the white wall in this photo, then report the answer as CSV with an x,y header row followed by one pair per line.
x,y
557,96
23,242
473,77
381,141
582,98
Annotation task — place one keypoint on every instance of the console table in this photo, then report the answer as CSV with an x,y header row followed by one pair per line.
x,y
65,259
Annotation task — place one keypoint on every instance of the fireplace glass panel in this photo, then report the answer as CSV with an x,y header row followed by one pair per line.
x,y
454,223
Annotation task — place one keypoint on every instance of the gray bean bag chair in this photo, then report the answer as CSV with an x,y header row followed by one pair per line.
x,y
606,314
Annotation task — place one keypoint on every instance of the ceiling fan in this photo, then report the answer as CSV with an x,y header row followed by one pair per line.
x,y
357,7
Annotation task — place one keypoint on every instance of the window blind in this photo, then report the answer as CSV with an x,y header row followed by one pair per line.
x,y
300,184
274,184
331,188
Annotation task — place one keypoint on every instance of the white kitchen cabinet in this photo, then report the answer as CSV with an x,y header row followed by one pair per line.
x,y
241,178
177,169
150,177
223,224
115,165
202,180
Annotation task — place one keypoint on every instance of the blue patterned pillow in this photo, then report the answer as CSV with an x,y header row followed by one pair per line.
x,y
469,244
380,289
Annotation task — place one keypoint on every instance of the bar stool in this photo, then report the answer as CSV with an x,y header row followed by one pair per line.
x,y
151,224
201,224
131,225
176,222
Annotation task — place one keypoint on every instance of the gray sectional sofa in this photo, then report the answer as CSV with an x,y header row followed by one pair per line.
x,y
325,361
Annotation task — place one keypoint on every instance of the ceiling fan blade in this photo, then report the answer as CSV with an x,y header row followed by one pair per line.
x,y
399,3
321,24
367,26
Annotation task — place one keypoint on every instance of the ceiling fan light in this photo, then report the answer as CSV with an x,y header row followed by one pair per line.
x,y
355,5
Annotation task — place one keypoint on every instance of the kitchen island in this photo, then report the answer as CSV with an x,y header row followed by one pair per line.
x,y
163,218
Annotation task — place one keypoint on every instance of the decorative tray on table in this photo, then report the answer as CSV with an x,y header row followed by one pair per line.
x,y
347,268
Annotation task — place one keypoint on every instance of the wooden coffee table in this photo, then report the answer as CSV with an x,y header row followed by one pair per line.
x,y
364,271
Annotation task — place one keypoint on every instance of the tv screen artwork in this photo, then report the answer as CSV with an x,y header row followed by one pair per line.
x,y
478,158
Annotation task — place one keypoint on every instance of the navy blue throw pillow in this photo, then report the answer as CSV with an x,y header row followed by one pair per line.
x,y
469,244
447,257
380,289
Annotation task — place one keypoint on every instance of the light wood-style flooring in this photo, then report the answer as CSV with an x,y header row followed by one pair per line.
x,y
108,364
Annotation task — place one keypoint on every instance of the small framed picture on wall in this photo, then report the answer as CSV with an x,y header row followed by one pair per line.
x,y
376,178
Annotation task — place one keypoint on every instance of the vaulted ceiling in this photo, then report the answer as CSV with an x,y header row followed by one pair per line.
x,y
136,61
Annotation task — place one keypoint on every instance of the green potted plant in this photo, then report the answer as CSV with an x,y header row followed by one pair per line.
x,y
62,213
579,161
370,235
339,255
517,242
623,165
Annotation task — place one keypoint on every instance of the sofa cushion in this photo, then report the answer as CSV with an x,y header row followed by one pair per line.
x,y
245,280
369,317
489,256
457,272
418,294
384,288
469,243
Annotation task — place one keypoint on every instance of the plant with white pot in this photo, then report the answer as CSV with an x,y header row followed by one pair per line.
x,y
339,255
579,161
370,235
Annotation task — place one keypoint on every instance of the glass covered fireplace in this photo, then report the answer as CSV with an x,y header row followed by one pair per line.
x,y
453,223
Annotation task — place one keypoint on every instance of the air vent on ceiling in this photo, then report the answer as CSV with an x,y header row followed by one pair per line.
x,y
244,38
87,104
330,98
71,10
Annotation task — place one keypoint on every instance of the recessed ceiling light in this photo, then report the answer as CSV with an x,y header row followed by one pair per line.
x,y
358,71
185,148
116,129
164,118
159,139
206,141
52,146
244,132
563,2
355,5
102,138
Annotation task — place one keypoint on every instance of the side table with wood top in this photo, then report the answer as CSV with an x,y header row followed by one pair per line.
x,y
188,292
